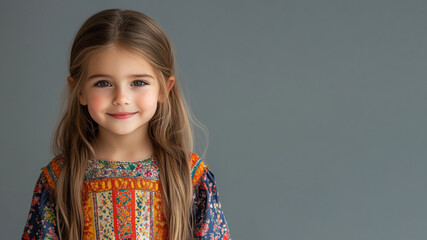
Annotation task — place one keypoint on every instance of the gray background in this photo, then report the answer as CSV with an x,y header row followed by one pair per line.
x,y
315,109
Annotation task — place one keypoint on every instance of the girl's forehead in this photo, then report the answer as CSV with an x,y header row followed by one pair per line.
x,y
114,50
118,59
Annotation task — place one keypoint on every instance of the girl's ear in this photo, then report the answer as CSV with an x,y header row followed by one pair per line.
x,y
82,99
71,84
171,82
70,81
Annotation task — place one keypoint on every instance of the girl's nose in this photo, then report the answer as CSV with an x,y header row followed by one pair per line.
x,y
120,97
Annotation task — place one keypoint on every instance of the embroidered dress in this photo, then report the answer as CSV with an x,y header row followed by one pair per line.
x,y
122,200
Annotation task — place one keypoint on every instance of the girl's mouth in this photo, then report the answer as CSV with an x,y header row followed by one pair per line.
x,y
122,115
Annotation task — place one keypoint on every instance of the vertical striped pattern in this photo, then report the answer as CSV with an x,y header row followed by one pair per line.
x,y
160,226
151,215
89,228
132,212
116,227
95,215
143,214
105,221
124,212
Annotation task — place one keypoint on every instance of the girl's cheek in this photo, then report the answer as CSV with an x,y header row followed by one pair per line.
x,y
146,101
98,100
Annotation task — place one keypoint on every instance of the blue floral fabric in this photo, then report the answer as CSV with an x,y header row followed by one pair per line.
x,y
41,223
210,220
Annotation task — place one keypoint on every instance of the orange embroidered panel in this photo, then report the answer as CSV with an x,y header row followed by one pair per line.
x,y
52,171
89,218
160,226
121,183
197,168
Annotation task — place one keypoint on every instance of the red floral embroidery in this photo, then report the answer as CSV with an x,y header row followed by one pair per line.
x,y
148,173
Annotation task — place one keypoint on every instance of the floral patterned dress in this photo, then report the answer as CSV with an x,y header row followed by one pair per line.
x,y
122,200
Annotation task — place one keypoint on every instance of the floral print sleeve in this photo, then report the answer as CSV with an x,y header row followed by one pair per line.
x,y
41,222
210,222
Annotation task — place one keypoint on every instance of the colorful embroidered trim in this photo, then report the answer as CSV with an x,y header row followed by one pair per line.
x,y
121,183
124,213
197,167
144,212
89,217
100,169
160,226
193,160
52,170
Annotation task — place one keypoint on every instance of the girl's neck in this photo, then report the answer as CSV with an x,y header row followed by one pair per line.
x,y
130,147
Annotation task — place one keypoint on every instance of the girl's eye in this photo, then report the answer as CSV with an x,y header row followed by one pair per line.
x,y
102,84
138,83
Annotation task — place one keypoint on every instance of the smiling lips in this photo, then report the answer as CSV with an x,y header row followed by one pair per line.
x,y
122,115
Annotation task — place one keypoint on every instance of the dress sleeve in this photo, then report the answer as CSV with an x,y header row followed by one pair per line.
x,y
41,222
210,222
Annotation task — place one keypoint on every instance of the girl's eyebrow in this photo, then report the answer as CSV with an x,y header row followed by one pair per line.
x,y
129,76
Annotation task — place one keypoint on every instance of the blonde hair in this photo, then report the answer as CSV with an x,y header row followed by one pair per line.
x,y
170,129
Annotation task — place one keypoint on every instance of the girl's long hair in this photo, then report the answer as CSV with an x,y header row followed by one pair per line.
x,y
169,129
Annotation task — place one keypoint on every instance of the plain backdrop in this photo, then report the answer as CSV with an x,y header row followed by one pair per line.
x,y
316,109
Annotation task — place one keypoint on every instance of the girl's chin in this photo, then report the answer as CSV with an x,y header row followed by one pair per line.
x,y
120,131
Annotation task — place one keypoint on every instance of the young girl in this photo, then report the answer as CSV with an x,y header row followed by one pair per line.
x,y
124,167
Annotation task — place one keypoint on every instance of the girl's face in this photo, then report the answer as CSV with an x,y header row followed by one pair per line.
x,y
121,91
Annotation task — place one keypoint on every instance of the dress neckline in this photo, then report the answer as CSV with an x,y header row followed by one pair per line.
x,y
122,162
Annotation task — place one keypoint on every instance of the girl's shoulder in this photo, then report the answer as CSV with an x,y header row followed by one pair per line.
x,y
52,170
198,168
